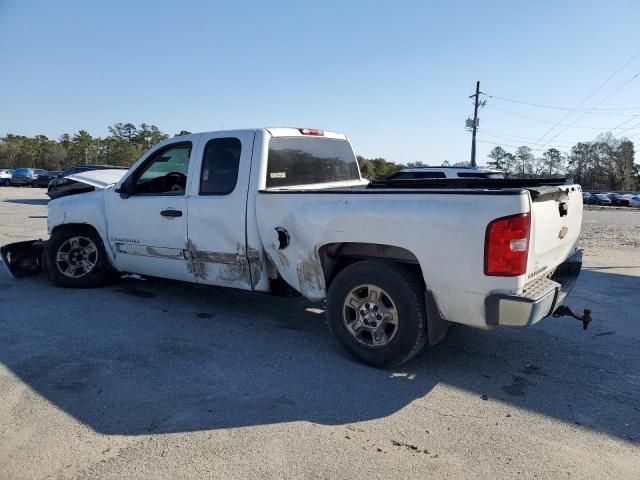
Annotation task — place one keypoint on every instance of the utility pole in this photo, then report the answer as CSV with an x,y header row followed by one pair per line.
x,y
473,124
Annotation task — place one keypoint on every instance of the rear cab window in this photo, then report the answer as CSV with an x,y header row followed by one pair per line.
x,y
220,164
296,161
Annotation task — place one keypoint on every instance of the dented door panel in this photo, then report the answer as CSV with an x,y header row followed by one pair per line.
x,y
217,252
141,236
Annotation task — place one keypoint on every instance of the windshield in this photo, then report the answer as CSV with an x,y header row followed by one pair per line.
x,y
309,160
22,171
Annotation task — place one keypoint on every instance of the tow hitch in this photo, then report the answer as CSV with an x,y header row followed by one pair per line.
x,y
585,318
23,258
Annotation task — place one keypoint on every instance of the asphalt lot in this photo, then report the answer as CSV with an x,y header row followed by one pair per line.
x,y
157,379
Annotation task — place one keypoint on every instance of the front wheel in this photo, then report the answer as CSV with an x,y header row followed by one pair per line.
x,y
377,312
75,257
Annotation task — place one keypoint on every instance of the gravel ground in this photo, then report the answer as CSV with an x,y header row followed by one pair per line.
x,y
157,379
610,227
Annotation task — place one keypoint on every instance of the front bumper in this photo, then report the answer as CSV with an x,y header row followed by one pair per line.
x,y
23,258
538,300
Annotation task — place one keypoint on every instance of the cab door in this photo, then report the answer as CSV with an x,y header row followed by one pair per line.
x,y
218,208
147,214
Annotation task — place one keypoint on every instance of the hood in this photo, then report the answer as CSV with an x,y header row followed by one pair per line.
x,y
100,179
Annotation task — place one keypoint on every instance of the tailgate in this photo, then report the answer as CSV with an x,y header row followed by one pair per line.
x,y
556,219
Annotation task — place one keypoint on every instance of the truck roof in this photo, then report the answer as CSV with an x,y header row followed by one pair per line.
x,y
284,132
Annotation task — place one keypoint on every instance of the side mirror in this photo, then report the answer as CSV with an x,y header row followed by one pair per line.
x,y
125,189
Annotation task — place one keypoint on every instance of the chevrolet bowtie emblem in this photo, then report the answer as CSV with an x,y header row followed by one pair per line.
x,y
563,232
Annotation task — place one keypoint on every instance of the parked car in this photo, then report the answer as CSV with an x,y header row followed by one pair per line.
x,y
25,176
44,178
412,173
618,199
5,177
60,185
602,199
586,197
634,201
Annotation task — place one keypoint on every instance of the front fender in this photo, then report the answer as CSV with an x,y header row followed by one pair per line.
x,y
83,209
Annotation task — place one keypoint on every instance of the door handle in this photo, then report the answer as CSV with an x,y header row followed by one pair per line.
x,y
171,213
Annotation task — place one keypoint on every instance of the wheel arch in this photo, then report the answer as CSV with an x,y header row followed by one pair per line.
x,y
74,225
334,257
70,226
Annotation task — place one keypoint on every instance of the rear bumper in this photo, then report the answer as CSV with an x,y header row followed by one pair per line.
x,y
22,181
539,299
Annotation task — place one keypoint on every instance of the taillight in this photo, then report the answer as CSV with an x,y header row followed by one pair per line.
x,y
506,246
311,131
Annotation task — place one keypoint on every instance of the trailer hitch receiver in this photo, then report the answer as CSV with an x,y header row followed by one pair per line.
x,y
585,318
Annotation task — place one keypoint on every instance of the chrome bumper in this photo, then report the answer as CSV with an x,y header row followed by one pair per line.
x,y
538,300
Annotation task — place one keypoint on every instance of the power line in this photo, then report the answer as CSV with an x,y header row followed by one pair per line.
x,y
621,124
555,107
599,103
545,121
510,137
590,95
630,128
518,146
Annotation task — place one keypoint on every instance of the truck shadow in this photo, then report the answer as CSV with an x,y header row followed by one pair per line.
x,y
161,357
28,201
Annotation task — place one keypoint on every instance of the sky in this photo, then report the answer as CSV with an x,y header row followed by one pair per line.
x,y
395,77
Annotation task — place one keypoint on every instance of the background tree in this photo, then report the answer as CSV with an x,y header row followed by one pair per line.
x,y
416,164
524,164
552,162
498,159
377,168
607,163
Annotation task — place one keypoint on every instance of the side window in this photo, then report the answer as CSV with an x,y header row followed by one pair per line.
x,y
220,164
166,173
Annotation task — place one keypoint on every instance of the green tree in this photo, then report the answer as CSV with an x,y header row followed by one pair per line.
x,y
498,159
552,162
377,168
524,161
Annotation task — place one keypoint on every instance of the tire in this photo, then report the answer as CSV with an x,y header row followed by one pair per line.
x,y
6,183
93,271
349,310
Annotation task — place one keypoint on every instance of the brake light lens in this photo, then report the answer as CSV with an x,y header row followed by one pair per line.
x,y
311,131
506,246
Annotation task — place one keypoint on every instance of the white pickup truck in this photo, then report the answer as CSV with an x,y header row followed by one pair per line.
x,y
396,260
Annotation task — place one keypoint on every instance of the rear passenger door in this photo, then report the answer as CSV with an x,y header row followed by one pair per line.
x,y
217,210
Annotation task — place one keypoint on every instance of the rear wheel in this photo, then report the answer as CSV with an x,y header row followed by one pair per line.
x,y
75,257
377,313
